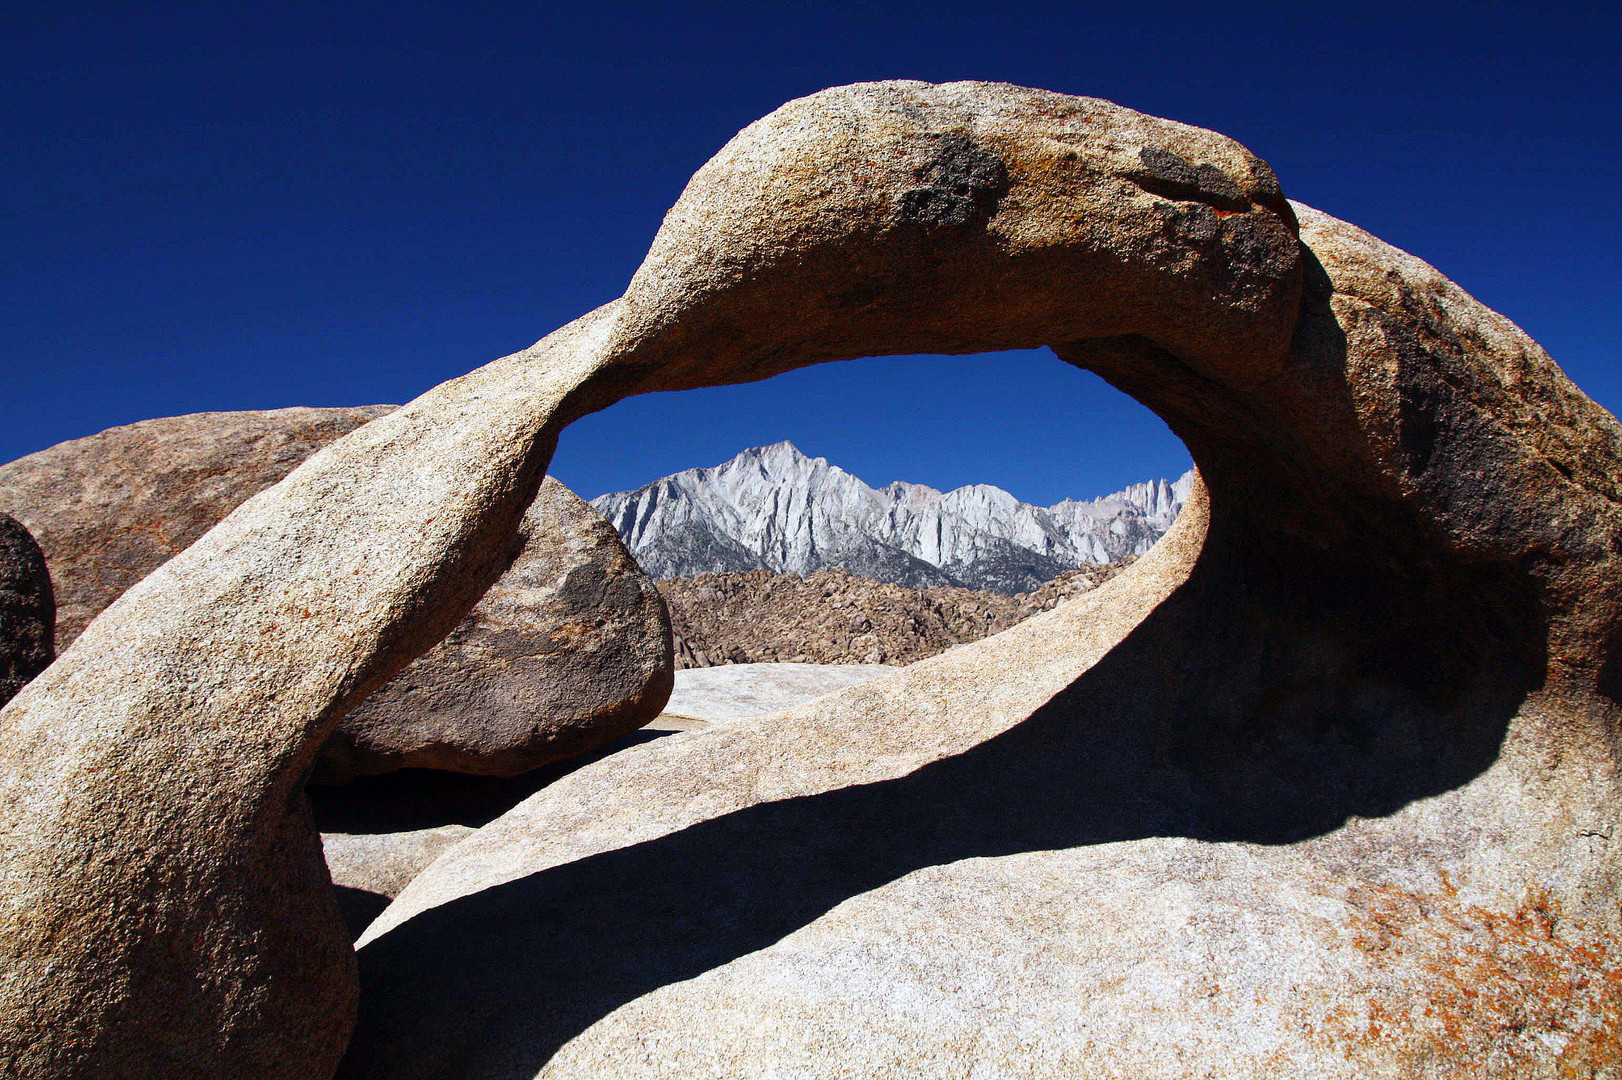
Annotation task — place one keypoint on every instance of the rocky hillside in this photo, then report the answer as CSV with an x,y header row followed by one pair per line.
x,y
775,509
836,617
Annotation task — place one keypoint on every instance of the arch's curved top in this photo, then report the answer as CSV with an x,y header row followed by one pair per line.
x,y
904,217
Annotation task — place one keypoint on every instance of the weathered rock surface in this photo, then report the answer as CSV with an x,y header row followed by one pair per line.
x,y
566,653
27,609
570,650
738,691
773,508
1325,785
110,508
835,617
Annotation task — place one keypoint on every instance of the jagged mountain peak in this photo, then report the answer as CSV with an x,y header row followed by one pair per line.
x,y
776,508
778,457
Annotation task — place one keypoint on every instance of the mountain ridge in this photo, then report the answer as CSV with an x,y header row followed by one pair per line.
x,y
775,508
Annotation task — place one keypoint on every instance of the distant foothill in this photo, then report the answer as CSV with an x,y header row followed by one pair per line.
x,y
837,617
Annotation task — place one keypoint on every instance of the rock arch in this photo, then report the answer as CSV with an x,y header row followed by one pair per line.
x,y
1409,560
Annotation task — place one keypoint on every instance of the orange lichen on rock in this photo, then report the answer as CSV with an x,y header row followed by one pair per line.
x,y
1463,990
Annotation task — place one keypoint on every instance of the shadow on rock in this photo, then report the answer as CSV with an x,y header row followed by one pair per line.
x,y
359,907
1236,739
424,798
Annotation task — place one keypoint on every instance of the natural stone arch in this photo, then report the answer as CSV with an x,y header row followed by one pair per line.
x,y
1429,476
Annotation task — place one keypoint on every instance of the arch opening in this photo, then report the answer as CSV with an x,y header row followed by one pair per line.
x,y
1351,672
1040,430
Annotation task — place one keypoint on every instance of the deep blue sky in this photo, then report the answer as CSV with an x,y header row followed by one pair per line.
x,y
231,207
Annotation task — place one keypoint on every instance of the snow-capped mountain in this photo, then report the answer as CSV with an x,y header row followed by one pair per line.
x,y
774,508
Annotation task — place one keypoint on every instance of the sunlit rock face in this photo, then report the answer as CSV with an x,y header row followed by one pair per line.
x,y
773,508
1324,785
